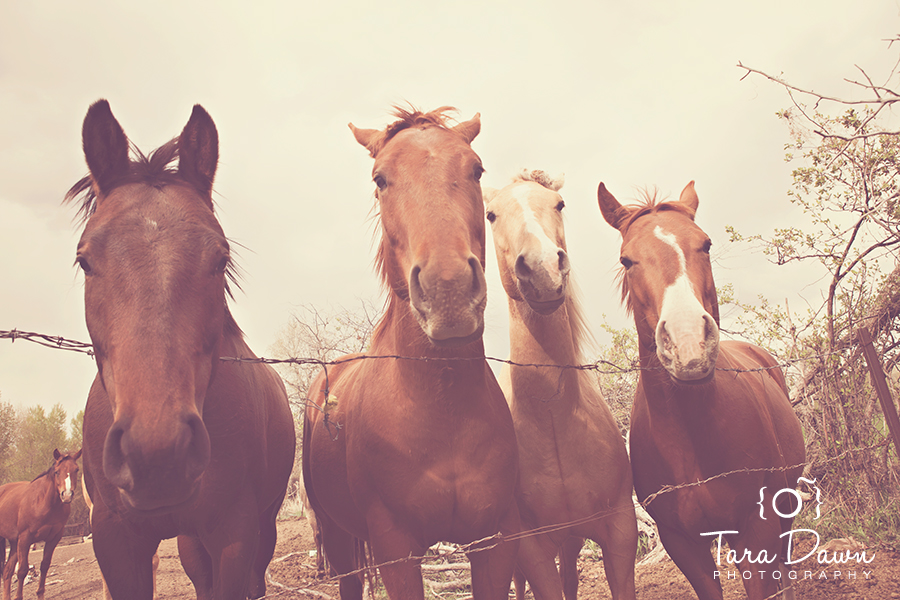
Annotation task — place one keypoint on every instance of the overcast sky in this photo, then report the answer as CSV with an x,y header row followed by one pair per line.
x,y
632,94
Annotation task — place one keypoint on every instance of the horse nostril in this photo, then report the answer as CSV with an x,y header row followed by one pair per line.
x,y
563,261
523,271
115,466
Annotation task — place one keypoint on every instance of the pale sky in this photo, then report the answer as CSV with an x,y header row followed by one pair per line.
x,y
632,94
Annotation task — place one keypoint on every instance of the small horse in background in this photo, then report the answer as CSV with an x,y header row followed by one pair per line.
x,y
572,459
176,441
703,407
35,512
405,453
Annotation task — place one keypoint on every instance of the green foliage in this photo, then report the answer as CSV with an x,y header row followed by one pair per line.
x,y
846,186
617,374
8,428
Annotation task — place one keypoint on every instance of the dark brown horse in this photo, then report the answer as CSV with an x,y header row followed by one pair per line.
x,y
177,442
702,407
35,512
404,453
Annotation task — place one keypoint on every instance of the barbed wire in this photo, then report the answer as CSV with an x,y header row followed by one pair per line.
x,y
50,341
600,366
492,541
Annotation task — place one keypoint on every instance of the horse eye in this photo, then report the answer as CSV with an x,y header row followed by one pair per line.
x,y
491,216
380,181
707,245
222,265
84,264
478,172
560,206
626,262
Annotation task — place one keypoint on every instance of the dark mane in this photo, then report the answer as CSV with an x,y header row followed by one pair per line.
x,y
649,204
157,169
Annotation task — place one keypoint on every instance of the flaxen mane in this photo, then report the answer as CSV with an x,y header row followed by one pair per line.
x,y
541,177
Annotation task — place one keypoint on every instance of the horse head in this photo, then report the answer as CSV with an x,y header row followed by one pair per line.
x,y
432,220
526,221
667,281
155,261
65,474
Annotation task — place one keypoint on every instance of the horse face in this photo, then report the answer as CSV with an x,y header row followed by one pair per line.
x,y
527,226
154,259
432,248
65,475
669,284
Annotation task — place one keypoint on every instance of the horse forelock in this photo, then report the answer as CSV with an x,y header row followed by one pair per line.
x,y
412,117
649,204
542,178
157,169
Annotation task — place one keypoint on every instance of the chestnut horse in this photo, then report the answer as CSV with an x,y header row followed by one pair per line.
x,y
35,512
177,442
703,408
572,459
405,453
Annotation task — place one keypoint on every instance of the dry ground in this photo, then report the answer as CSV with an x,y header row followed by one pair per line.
x,y
74,575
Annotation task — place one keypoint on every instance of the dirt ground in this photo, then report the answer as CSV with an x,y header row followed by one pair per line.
x,y
74,575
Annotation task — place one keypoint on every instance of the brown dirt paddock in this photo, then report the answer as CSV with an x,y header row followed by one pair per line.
x,y
74,575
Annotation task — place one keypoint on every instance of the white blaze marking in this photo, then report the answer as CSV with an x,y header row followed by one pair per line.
x,y
679,298
69,482
533,226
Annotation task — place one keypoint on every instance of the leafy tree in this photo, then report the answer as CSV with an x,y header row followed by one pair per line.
x,y
39,433
7,438
846,183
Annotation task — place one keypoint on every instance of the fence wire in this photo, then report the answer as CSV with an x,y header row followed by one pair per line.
x,y
600,366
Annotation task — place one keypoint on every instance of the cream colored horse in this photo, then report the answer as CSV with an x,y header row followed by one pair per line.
x,y
572,460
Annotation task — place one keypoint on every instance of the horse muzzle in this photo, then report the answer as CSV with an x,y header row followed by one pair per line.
x,y
449,302
156,466
688,348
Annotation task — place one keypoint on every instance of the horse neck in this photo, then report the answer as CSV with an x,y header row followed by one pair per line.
x,y
545,340
398,334
47,492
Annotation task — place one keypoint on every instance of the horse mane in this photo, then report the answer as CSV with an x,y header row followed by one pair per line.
x,y
157,169
649,204
541,177
408,118
582,338
53,463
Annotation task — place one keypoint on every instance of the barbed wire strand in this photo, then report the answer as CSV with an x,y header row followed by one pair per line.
x,y
600,366
490,542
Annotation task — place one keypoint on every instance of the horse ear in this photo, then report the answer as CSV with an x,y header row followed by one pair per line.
x,y
105,147
56,454
610,207
198,150
689,197
77,454
370,139
469,129
489,193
